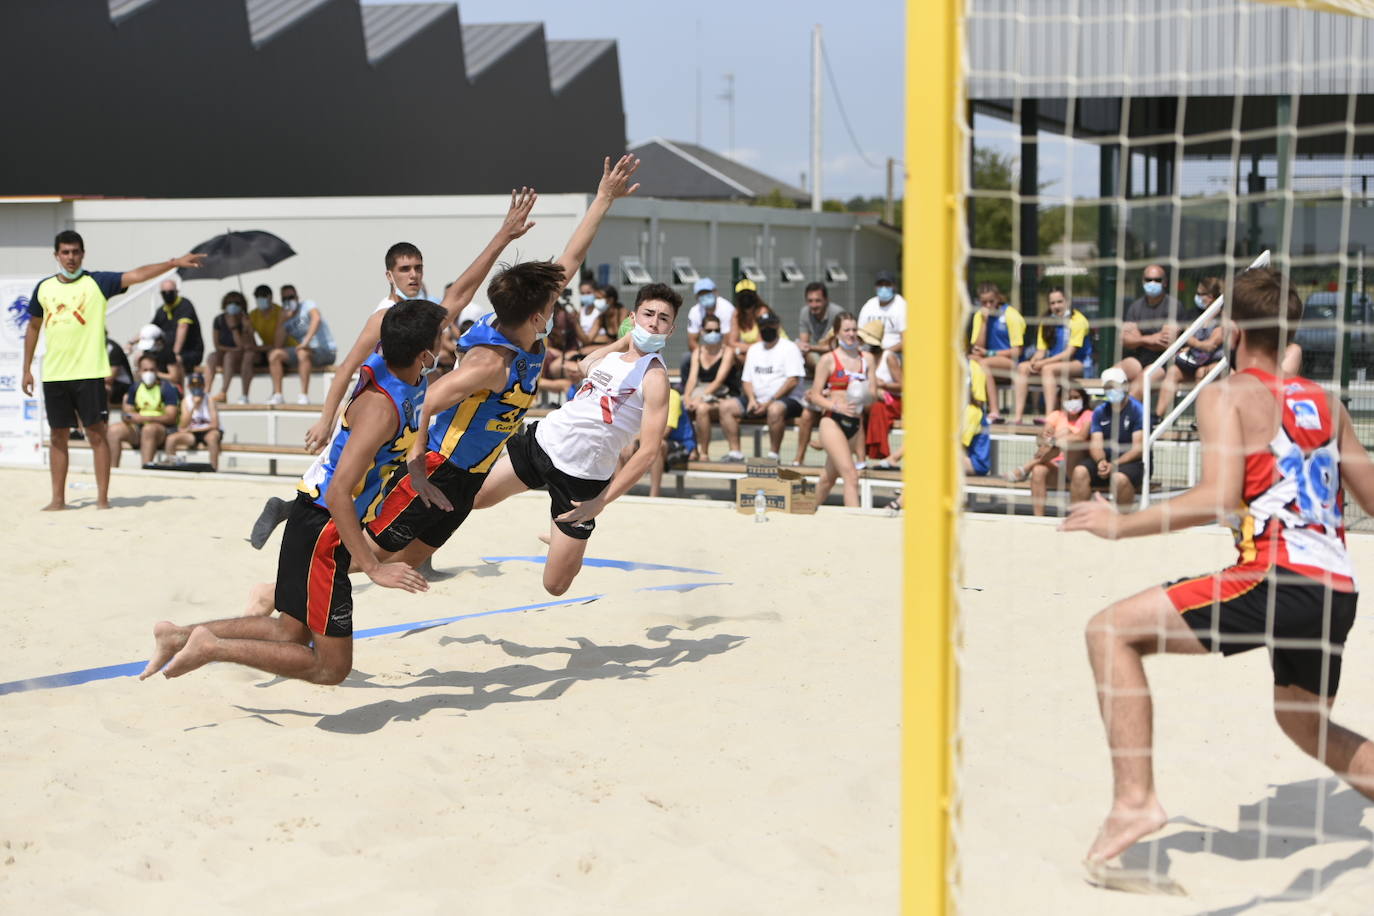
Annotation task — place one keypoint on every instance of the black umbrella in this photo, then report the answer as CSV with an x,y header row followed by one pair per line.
x,y
236,253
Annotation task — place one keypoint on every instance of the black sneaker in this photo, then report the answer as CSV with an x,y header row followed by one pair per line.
x,y
273,514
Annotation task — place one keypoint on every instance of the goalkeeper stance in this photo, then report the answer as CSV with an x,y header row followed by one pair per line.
x,y
1277,454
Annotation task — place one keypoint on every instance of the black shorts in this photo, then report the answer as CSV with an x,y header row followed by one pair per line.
x,y
792,406
312,571
200,434
536,470
848,425
1304,645
404,517
84,399
190,359
1134,471
1142,356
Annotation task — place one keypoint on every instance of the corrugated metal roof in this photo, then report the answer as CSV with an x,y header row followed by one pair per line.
x,y
484,45
386,27
123,9
269,18
1060,48
686,170
569,58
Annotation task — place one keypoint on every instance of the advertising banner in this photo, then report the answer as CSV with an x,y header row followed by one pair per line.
x,y
21,415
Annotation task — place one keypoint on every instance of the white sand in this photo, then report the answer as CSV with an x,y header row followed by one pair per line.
x,y
727,750
1036,777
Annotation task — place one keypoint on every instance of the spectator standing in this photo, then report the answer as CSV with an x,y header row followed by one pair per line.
x,y
1063,351
1151,325
266,318
121,373
1062,446
887,389
888,305
710,369
303,322
199,423
840,389
998,336
70,310
150,413
233,336
815,338
1195,359
773,368
181,334
1116,445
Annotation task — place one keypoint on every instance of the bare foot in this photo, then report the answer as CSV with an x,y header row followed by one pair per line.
x,y
1123,826
103,504
199,649
54,506
168,640
262,599
816,445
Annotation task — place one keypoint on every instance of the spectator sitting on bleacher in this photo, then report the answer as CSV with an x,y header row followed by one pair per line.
x,y
773,368
1063,351
121,373
708,303
889,306
710,369
149,342
1115,446
562,371
1151,325
185,345
744,333
886,409
617,315
815,338
592,330
679,441
1195,359
977,457
303,323
199,424
1062,446
150,412
841,389
233,344
998,334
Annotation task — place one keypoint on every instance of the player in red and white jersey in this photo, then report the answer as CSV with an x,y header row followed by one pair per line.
x,y
1278,456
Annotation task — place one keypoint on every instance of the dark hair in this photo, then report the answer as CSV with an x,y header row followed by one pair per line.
x,y
463,328
286,286
661,292
748,303
409,329
1083,393
401,250
521,290
1056,289
262,289
987,286
1210,286
1260,301
814,286
587,280
840,319
68,237
710,316
610,292
147,355
233,296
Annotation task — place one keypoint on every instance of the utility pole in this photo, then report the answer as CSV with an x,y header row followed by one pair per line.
x,y
729,97
816,119
698,44
887,205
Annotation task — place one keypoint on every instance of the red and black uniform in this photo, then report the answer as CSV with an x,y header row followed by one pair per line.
x,y
839,380
1292,564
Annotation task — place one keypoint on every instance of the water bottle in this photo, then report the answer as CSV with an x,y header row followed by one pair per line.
x,y
760,507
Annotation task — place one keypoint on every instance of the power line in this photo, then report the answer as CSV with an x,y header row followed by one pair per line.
x,y
839,103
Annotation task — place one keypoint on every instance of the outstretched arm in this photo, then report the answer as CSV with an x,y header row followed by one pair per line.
x,y
1215,496
363,347
615,183
516,224
148,271
652,428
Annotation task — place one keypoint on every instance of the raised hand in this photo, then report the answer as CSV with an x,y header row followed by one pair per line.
x,y
517,221
615,181
188,260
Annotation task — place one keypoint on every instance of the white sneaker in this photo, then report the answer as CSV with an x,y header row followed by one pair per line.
x,y
243,399
773,455
276,399
733,457
302,399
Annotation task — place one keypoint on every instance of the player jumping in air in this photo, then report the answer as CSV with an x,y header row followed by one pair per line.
x,y
1278,454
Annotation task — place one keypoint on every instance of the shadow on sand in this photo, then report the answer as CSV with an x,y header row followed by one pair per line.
x,y
1295,817
585,661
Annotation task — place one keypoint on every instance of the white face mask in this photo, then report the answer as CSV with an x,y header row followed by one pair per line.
x,y
1074,405
396,291
149,378
263,302
426,370
548,329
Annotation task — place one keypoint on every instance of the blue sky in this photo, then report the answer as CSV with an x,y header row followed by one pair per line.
x,y
767,45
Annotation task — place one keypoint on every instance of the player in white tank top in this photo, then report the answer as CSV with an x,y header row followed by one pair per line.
x,y
575,450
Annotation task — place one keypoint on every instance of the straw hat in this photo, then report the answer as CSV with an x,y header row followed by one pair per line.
x,y
872,333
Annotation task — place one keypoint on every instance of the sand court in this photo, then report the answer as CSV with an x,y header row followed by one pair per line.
x,y
720,735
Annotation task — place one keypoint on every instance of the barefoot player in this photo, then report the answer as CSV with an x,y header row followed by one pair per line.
x,y
1278,454
312,637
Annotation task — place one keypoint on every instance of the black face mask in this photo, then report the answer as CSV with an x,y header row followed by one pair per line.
x,y
169,296
768,335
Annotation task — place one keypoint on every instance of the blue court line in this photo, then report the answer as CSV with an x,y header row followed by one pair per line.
x,y
129,669
627,565
685,587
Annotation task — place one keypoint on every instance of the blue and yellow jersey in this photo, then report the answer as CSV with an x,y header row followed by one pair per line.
x,y
1077,333
389,463
472,433
1007,330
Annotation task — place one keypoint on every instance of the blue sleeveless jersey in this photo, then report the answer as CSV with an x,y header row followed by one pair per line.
x,y
388,465
471,433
